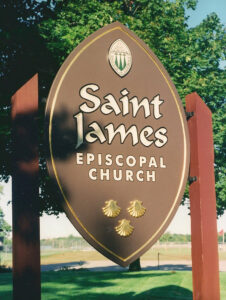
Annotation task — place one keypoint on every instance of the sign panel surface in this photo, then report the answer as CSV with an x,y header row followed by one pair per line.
x,y
118,143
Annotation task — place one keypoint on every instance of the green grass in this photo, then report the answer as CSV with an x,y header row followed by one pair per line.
x,y
85,285
67,255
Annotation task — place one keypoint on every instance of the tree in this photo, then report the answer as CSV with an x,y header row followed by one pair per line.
x,y
5,228
46,32
22,54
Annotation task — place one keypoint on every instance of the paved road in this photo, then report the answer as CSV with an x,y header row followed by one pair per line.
x,y
110,266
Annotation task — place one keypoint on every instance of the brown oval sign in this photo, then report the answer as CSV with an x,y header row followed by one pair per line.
x,y
118,143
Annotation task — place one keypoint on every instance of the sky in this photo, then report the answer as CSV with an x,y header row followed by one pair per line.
x,y
50,226
205,7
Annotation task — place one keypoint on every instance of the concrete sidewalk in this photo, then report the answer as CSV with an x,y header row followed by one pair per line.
x,y
108,266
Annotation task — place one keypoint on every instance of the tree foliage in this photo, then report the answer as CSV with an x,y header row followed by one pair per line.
x,y
42,34
5,228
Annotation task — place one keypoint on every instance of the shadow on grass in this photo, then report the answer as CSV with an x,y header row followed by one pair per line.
x,y
161,293
6,286
169,292
86,279
87,285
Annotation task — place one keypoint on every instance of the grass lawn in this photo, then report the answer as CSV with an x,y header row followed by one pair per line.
x,y
68,285
67,255
70,256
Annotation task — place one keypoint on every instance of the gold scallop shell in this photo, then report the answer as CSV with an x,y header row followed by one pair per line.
x,y
111,209
136,209
124,228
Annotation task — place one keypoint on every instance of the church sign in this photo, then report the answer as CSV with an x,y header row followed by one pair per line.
x,y
118,143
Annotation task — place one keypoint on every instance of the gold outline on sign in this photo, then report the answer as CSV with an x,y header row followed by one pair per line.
x,y
51,151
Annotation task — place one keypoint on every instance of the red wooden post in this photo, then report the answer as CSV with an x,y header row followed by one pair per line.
x,y
205,265
26,240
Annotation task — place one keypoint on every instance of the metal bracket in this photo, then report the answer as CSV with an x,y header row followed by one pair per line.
x,y
189,114
191,179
